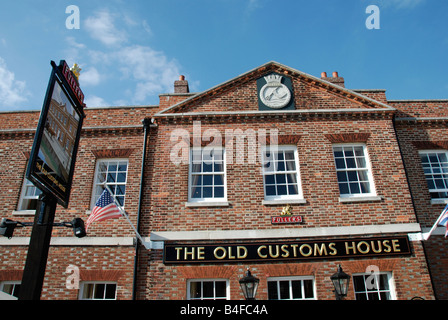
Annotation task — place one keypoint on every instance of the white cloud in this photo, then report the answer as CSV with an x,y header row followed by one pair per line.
x,y
95,102
400,4
138,70
146,27
151,69
12,91
90,77
101,27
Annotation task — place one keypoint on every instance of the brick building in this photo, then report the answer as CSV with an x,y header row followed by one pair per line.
x,y
275,170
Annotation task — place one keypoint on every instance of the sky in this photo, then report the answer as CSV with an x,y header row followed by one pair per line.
x,y
132,51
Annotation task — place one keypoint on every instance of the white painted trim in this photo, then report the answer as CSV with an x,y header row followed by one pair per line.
x,y
284,233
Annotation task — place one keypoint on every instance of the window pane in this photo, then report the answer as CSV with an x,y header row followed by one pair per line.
x,y
296,289
272,290
207,167
338,152
281,190
385,295
308,288
280,166
284,289
207,287
365,187
196,192
219,167
340,164
123,167
384,282
354,188
348,152
220,289
207,192
207,180
292,178
121,177
289,155
342,176
373,296
270,191
218,180
343,188
88,291
290,165
219,192
351,163
110,291
196,167
269,179
280,178
359,284
292,189
361,296
359,152
195,290
352,176
98,291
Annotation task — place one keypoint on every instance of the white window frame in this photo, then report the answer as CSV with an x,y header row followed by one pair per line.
x,y
368,168
14,283
97,183
84,284
25,185
390,283
189,281
283,148
427,152
293,278
201,173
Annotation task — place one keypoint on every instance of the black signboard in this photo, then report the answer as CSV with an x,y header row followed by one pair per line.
x,y
53,156
287,250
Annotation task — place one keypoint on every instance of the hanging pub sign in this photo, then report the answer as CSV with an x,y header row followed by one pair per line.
x,y
53,156
286,250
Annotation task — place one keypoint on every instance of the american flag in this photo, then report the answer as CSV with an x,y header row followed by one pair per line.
x,y
443,220
105,208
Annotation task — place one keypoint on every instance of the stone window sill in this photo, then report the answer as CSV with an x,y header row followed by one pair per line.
x,y
207,204
360,199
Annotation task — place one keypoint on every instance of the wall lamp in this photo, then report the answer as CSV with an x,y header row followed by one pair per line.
x,y
249,285
340,282
7,226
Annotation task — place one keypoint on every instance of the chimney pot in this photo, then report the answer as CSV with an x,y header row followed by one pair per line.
x,y
181,78
335,74
323,75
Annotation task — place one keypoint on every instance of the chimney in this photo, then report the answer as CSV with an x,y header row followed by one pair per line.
x,y
181,85
335,79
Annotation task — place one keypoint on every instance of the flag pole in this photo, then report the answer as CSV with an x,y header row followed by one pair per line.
x,y
123,213
428,234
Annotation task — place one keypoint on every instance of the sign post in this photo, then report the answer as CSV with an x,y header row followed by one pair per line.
x,y
51,168
36,260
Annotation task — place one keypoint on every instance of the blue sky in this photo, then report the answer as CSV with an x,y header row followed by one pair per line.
x,y
131,51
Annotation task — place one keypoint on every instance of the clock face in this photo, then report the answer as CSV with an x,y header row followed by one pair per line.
x,y
275,95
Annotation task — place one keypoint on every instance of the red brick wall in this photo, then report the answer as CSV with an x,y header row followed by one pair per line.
x,y
107,263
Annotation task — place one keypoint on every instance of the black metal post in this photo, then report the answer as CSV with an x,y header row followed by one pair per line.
x,y
36,260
